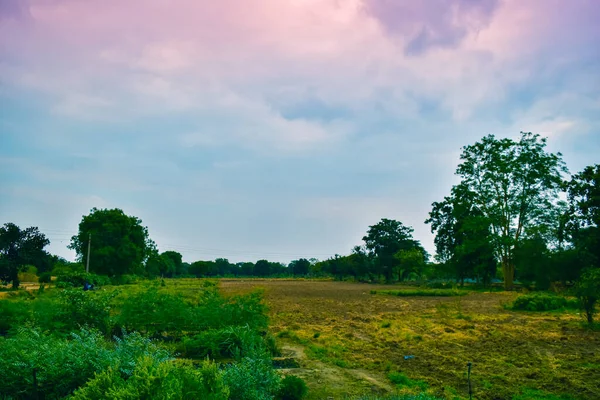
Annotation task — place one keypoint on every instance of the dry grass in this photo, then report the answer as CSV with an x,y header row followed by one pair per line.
x,y
348,341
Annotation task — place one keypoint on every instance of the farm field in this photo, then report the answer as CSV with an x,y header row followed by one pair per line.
x,y
348,341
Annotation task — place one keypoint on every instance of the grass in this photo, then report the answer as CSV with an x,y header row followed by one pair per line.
x,y
363,339
421,292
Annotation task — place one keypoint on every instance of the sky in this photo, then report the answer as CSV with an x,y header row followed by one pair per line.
x,y
277,129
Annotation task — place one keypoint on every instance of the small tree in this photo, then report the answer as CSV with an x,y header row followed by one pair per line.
x,y
588,292
18,249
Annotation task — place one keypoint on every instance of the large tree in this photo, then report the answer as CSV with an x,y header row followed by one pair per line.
x,y
463,240
18,249
385,239
514,183
119,242
584,214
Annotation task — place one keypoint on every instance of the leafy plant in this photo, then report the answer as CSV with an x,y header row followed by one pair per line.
x,y
588,292
540,302
252,378
292,388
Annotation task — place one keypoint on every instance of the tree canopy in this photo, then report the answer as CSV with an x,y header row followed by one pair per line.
x,y
119,243
18,249
513,184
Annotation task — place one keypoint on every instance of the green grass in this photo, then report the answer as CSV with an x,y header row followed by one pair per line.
x,y
534,394
401,380
421,292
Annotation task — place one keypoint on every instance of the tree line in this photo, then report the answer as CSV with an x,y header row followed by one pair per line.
x,y
513,215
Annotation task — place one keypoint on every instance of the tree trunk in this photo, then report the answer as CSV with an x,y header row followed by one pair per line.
x,y
508,270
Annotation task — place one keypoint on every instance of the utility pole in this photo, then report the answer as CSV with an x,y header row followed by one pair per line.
x,y
87,264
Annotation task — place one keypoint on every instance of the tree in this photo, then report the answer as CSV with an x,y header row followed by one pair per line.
x,y
176,259
588,292
18,249
299,267
202,268
385,239
463,240
120,244
513,184
584,214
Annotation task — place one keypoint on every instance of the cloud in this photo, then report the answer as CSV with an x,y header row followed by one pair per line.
x,y
226,126
430,24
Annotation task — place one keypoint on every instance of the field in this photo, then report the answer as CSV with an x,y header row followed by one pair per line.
x,y
347,341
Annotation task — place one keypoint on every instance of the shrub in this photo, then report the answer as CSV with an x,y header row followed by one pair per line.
x,y
45,277
153,312
60,366
587,291
13,313
252,378
292,388
74,279
124,279
540,301
222,343
162,380
80,308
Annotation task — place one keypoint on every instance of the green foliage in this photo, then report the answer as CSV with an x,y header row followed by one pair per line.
x,y
120,244
401,380
78,278
221,343
19,249
252,378
157,380
541,301
13,313
511,187
385,240
299,267
153,312
45,277
421,396
587,290
535,394
60,366
421,292
292,388
85,308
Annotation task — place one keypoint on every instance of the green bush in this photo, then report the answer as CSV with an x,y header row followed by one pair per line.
x,y
541,301
124,279
13,313
75,279
252,378
222,343
85,308
153,312
587,291
60,366
292,388
162,380
45,277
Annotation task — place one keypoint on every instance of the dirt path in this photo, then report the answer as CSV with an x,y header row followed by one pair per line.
x,y
326,379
